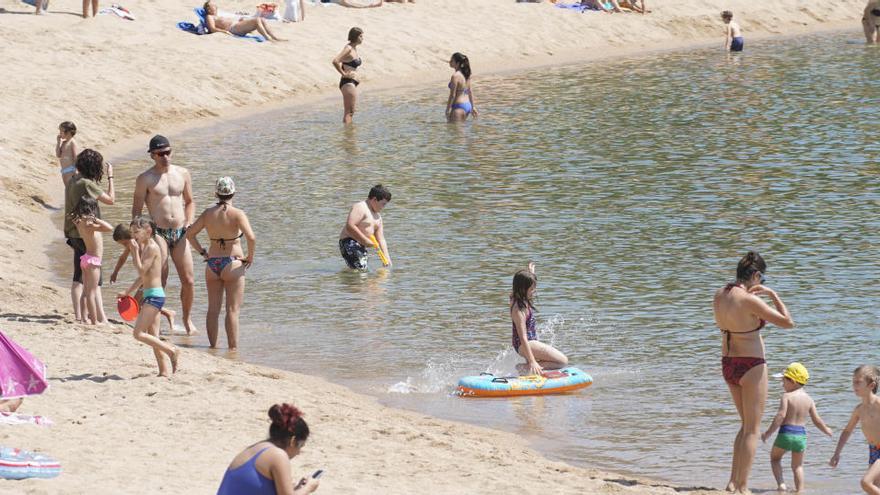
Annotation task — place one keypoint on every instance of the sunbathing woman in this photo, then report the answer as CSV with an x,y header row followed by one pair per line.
x,y
235,26
741,314
226,264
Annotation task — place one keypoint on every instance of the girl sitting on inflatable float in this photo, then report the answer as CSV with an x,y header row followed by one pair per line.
x,y
538,355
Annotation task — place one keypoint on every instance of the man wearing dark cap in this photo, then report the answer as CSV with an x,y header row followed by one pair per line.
x,y
166,190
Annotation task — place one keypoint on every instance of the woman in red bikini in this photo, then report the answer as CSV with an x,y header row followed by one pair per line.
x,y
740,314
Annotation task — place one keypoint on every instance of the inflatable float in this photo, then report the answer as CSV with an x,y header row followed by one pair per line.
x,y
16,464
551,382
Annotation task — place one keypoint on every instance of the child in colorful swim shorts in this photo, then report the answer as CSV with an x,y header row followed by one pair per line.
x,y
66,150
733,39
147,258
794,408
864,383
538,355
89,226
122,236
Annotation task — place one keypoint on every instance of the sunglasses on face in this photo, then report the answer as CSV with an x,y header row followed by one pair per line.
x,y
163,153
763,279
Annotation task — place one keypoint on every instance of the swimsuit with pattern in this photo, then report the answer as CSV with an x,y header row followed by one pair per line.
x,y
531,333
734,368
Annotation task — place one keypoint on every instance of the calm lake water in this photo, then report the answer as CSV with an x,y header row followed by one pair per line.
x,y
635,185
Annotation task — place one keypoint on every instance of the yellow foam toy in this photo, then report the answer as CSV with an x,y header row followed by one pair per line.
x,y
379,251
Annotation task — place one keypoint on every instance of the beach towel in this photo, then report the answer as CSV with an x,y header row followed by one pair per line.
x,y
21,374
202,27
578,7
17,464
119,10
8,418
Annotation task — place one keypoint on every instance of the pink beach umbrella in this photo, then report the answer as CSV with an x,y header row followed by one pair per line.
x,y
21,374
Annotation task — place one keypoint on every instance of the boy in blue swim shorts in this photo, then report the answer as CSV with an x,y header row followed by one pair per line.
x,y
794,408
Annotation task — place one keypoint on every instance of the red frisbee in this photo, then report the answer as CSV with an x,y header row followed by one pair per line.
x,y
128,308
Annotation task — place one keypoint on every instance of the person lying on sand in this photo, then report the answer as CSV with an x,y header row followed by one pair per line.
x,y
236,26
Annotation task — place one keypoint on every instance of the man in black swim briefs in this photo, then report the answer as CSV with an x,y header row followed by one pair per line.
x,y
166,190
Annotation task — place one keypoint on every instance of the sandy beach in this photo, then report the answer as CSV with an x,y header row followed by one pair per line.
x,y
119,429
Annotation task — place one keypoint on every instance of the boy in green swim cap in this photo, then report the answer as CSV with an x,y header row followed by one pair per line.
x,y
791,418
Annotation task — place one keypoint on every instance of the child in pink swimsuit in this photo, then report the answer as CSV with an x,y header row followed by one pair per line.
x,y
89,226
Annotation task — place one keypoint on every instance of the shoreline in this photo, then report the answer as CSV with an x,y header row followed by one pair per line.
x,y
88,442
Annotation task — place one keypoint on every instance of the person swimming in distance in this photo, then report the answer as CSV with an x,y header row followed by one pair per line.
x,y
346,63
461,97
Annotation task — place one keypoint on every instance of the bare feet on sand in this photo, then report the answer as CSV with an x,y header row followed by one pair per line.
x,y
190,328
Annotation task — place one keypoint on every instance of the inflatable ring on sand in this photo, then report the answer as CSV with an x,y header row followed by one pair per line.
x,y
17,464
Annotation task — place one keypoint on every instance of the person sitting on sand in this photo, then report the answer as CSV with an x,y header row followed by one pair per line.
x,y
236,26
122,236
264,467
871,22
794,408
525,339
10,405
225,261
146,257
733,38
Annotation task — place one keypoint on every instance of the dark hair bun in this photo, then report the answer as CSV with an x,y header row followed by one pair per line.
x,y
285,416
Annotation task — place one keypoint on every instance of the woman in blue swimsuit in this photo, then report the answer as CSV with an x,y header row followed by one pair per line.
x,y
461,96
264,467
538,355
346,63
226,264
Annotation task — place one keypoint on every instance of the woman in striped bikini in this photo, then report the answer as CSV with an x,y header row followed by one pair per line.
x,y
740,314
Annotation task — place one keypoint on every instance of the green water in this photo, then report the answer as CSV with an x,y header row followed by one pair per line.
x,y
635,186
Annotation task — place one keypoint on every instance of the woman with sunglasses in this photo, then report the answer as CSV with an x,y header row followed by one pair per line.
x,y
740,314
264,467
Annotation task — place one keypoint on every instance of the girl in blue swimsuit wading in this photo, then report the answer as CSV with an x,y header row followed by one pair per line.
x,y
461,97
525,339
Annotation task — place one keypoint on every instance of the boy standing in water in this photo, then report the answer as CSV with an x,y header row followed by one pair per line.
x,y
365,221
733,39
791,418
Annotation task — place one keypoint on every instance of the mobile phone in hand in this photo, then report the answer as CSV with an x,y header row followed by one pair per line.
x,y
317,474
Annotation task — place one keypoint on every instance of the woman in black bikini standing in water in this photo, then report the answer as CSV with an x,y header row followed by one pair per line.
x,y
740,314
226,263
346,63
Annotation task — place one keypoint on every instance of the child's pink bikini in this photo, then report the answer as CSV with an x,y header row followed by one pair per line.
x,y
87,259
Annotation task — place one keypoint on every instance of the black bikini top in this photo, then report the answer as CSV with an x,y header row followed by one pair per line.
x,y
224,241
354,64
